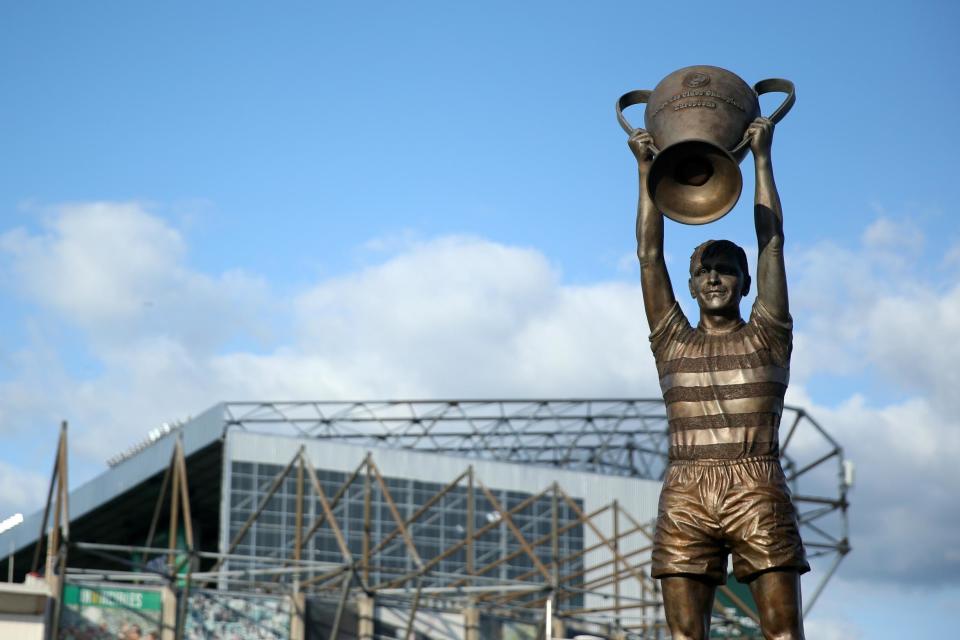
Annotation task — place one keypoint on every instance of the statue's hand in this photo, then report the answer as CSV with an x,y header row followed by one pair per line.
x,y
760,133
640,143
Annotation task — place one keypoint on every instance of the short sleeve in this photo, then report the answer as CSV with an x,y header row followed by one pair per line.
x,y
776,333
671,327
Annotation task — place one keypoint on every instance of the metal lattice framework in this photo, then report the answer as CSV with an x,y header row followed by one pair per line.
x,y
625,437
617,436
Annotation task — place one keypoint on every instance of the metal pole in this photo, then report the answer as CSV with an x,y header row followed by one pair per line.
x,y
555,535
365,615
182,484
174,512
471,621
470,522
344,593
163,494
367,491
46,512
408,635
53,541
298,523
63,526
616,561
185,497
823,583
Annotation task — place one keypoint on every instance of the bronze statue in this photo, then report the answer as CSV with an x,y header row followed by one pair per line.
x,y
723,383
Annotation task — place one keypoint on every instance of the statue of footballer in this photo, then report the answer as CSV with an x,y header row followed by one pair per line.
x,y
723,382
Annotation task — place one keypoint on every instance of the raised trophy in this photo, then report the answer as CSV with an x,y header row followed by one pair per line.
x,y
698,118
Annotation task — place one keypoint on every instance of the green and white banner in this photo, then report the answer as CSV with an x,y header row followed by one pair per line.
x,y
100,612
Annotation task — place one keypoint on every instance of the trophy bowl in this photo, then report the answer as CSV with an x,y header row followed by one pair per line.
x,y
698,118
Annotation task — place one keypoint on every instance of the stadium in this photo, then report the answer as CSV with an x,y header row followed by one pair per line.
x,y
430,520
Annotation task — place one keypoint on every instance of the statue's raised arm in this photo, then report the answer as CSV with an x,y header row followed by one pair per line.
x,y
768,217
658,297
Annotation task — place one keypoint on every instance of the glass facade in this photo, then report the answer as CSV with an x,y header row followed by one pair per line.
x,y
440,527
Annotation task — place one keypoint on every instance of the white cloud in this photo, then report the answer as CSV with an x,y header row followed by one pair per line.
x,y
119,273
467,317
95,262
904,514
21,490
864,313
893,237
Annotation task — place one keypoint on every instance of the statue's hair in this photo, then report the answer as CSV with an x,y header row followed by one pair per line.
x,y
711,248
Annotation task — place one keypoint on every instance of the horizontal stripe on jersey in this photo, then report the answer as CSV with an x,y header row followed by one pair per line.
x,y
771,373
723,390
730,451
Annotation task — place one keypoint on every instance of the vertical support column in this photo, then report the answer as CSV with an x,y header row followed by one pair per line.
x,y
471,506
53,541
616,564
298,616
471,621
559,629
365,605
174,513
298,602
56,568
657,611
168,621
367,521
645,611
555,538
298,528
226,496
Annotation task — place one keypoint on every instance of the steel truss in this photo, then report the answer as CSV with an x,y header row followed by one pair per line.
x,y
617,436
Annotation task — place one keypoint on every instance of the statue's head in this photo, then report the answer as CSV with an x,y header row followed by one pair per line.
x,y
719,276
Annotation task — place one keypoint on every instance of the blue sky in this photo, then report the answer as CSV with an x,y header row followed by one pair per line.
x,y
315,200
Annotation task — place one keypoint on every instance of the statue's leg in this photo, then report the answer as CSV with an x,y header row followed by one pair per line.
x,y
687,601
761,523
777,594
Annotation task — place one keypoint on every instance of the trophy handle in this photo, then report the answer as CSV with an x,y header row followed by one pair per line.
x,y
772,85
639,96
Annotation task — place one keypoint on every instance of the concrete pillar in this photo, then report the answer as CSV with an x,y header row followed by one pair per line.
x,y
365,606
298,616
559,629
168,624
471,622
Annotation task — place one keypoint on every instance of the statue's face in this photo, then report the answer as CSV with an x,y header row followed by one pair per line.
x,y
718,284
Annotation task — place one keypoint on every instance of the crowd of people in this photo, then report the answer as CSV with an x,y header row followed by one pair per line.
x,y
214,615
75,626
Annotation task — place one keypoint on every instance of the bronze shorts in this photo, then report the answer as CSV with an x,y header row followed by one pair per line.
x,y
709,508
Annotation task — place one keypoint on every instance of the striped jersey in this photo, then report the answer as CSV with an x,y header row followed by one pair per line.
x,y
723,390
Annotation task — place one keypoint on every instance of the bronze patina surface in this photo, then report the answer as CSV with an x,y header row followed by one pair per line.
x,y
698,118
723,382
